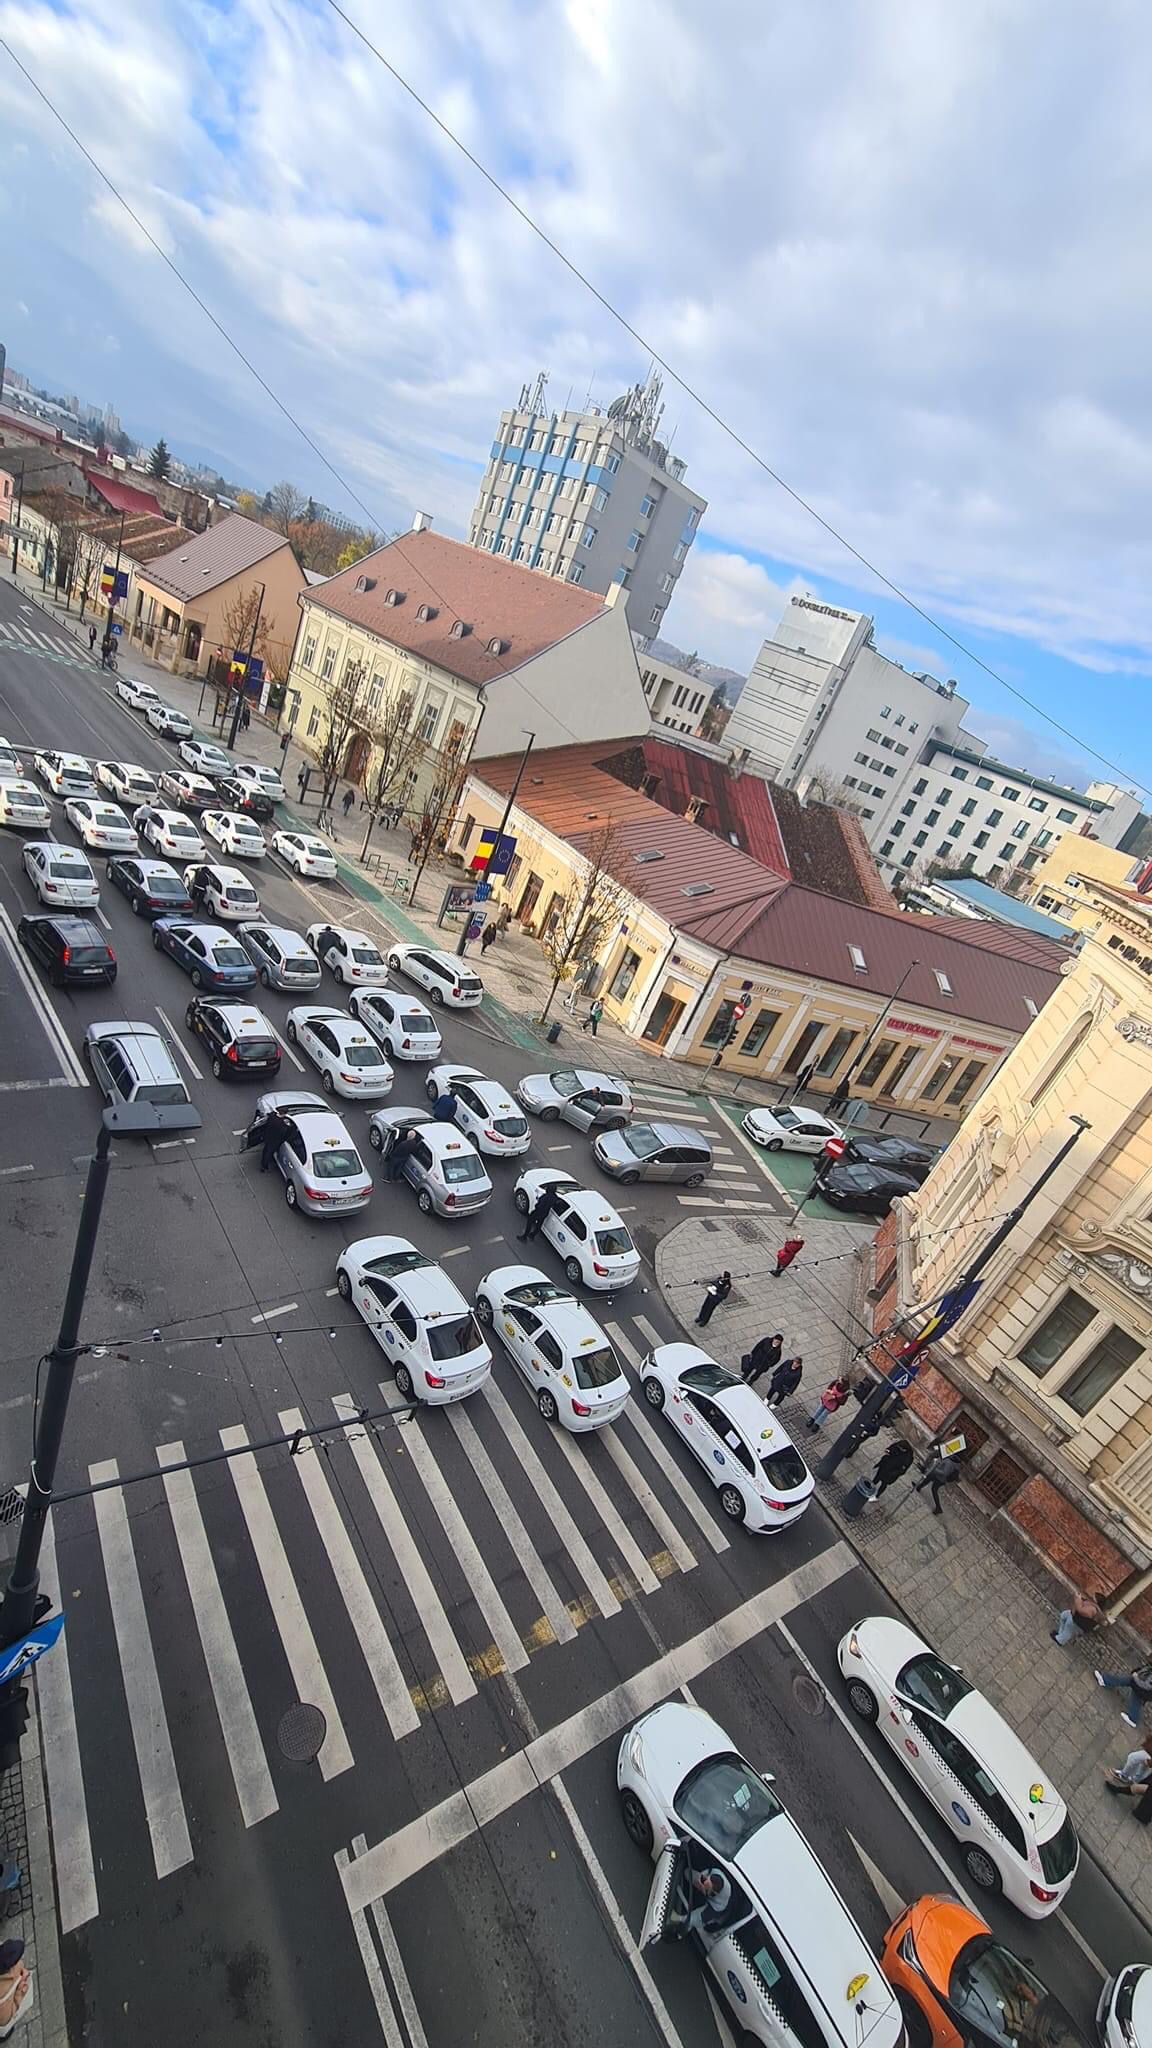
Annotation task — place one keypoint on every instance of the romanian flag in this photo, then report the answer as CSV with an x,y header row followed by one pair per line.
x,y
107,580
484,847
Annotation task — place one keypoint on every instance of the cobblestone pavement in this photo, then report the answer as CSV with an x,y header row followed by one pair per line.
x,y
977,1603
29,1912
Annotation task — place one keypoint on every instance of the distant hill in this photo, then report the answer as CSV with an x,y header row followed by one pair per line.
x,y
728,681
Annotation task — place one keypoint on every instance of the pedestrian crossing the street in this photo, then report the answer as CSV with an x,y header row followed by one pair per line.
x,y
382,1576
40,640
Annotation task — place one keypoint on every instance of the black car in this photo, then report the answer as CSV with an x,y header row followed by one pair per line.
x,y
899,1155
240,1040
70,948
240,796
870,1190
152,887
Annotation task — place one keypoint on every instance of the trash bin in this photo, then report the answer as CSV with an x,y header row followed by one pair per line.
x,y
552,1033
857,1499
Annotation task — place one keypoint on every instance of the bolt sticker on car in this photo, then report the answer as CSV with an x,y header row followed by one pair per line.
x,y
565,1379
856,1986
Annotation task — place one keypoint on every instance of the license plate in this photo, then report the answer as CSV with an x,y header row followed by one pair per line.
x,y
93,971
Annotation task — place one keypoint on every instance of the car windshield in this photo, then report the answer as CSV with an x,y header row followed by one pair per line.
x,y
643,1141
452,1337
612,1243
361,1056
998,1996
708,1379
1060,1853
784,1470
459,1168
509,1126
161,1092
786,1117
565,1084
396,1262
932,1684
335,1163
596,1368
230,956
535,1292
725,1803
367,956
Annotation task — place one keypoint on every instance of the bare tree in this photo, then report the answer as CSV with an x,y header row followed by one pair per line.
x,y
594,902
284,504
449,762
396,749
345,712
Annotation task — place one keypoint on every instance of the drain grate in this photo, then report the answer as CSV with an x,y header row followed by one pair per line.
x,y
301,1733
808,1693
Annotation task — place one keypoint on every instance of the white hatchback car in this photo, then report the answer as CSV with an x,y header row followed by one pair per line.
x,y
782,1950
406,1030
1124,2014
60,875
484,1108
418,1316
349,954
102,826
164,719
306,854
265,781
64,774
205,757
447,977
1015,1828
22,805
138,695
584,1228
349,1061
127,782
559,1349
169,833
235,833
222,890
743,1446
785,1129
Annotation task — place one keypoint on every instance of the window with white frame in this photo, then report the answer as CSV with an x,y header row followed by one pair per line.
x,y
329,661
430,719
308,655
576,573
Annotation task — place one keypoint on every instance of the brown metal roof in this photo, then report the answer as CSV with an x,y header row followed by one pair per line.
x,y
495,598
226,550
1036,948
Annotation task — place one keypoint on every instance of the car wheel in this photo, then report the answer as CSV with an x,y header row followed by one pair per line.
x,y
327,1083
137,907
773,1144
290,1030
404,1383
394,962
338,975
437,995
981,1869
654,1394
612,1123
290,1193
343,1285
217,1066
573,1271
862,1699
375,1137
196,978
550,1115
484,1311
732,1502
424,1202
636,1821
265,978
156,938
546,1403
627,1180
694,1180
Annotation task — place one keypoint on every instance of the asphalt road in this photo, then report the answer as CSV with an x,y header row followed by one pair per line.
x,y
478,1606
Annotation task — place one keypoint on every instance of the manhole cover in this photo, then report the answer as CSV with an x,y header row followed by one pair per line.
x,y
301,1733
808,1693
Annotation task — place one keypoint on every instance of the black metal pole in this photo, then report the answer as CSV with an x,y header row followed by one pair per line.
x,y
483,875
850,1439
247,666
16,525
840,1093
115,575
19,1604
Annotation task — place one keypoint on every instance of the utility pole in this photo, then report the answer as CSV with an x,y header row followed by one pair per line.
x,y
483,876
948,1311
840,1097
244,678
16,523
115,576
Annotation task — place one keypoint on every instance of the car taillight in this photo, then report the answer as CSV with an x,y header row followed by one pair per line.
x,y
433,1381
578,1408
65,956
50,888
349,1077
1038,1892
449,1201
405,1045
768,1502
232,1053
602,1270
494,1135
316,1194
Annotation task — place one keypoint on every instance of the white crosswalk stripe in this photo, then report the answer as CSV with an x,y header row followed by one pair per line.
x,y
580,1465
76,1894
657,1449
552,1502
562,1624
717,1202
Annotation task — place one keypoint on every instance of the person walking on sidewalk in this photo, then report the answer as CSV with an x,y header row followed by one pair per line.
x,y
939,1471
15,1987
347,800
91,639
785,1380
715,1292
834,1396
245,717
1081,1619
592,1020
1139,1688
1135,1771
786,1254
303,778
763,1357
892,1465
486,937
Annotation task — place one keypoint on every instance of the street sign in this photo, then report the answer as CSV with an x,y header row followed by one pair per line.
x,y
18,1656
476,923
482,892
835,1147
902,1376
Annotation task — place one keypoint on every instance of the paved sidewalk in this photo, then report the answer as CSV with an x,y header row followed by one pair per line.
x,y
981,1606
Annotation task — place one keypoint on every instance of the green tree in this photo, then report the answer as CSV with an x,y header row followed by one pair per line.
x,y
159,461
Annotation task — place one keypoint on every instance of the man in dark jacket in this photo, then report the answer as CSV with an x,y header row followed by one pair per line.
x,y
784,1381
940,1471
270,1133
892,1465
543,1206
762,1358
715,1292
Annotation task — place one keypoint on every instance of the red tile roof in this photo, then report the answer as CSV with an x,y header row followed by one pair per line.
x,y
736,809
123,497
497,599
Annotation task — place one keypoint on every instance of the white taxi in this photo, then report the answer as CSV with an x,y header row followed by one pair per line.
x,y
127,782
11,766
788,1129
64,774
1017,1835
101,825
350,954
591,1238
205,757
406,1030
323,1172
169,832
60,875
256,776
235,833
165,719
743,1446
22,805
782,1950
560,1350
495,1124
224,891
349,1061
418,1316
138,695
306,854
447,978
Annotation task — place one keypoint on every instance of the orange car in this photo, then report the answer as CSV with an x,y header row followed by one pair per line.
x,y
958,1988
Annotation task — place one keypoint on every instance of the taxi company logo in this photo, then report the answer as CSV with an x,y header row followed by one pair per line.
x,y
962,1815
719,1457
910,1746
856,1986
738,1990
1036,1794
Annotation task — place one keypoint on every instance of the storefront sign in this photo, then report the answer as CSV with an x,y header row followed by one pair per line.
x,y
918,1030
977,1044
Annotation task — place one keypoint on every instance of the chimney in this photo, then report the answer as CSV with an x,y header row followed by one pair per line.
x,y
615,594
421,522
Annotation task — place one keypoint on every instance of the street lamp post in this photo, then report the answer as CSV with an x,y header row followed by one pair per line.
x,y
948,1311
16,522
840,1098
483,876
18,1610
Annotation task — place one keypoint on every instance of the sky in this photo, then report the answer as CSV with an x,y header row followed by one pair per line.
x,y
901,249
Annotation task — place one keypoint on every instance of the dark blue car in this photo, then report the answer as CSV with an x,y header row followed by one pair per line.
x,y
212,957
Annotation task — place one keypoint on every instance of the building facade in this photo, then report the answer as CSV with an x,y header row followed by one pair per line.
x,y
1062,883
1049,1372
590,496
676,698
185,601
958,805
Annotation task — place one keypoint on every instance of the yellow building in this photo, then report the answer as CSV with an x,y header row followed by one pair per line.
x,y
1049,1373
183,605
1061,883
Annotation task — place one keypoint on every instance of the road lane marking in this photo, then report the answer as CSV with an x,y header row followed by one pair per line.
x,y
383,1665
551,1501
531,1564
648,1330
155,1763
609,1515
615,1917
456,1251
269,1315
559,1148
5,1171
76,1893
177,1044
634,1479
708,1202
67,1060
892,1900
101,919
634,1415
423,1841
283,1044
284,1599
371,1961
755,1152
238,1726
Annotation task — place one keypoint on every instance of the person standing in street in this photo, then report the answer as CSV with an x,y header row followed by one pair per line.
x,y
347,800
892,1464
284,739
504,917
592,1020
803,1079
245,717
1139,1687
1083,1618
834,1396
785,1380
444,1108
715,1292
403,1147
763,1357
271,1132
939,1471
786,1254
543,1206
91,639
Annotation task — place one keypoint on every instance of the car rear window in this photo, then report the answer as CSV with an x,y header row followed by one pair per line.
x,y
335,1164
77,869
1060,1853
784,1469
596,1368
367,956
89,956
241,896
162,1092
613,1242
452,1337
509,1126
460,1167
361,1056
166,885
469,986
181,830
258,1048
414,1021
230,956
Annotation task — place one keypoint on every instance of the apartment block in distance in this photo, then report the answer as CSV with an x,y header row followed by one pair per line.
x,y
592,496
677,698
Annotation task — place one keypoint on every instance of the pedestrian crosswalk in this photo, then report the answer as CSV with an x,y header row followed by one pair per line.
x,y
382,1576
37,640
737,1180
